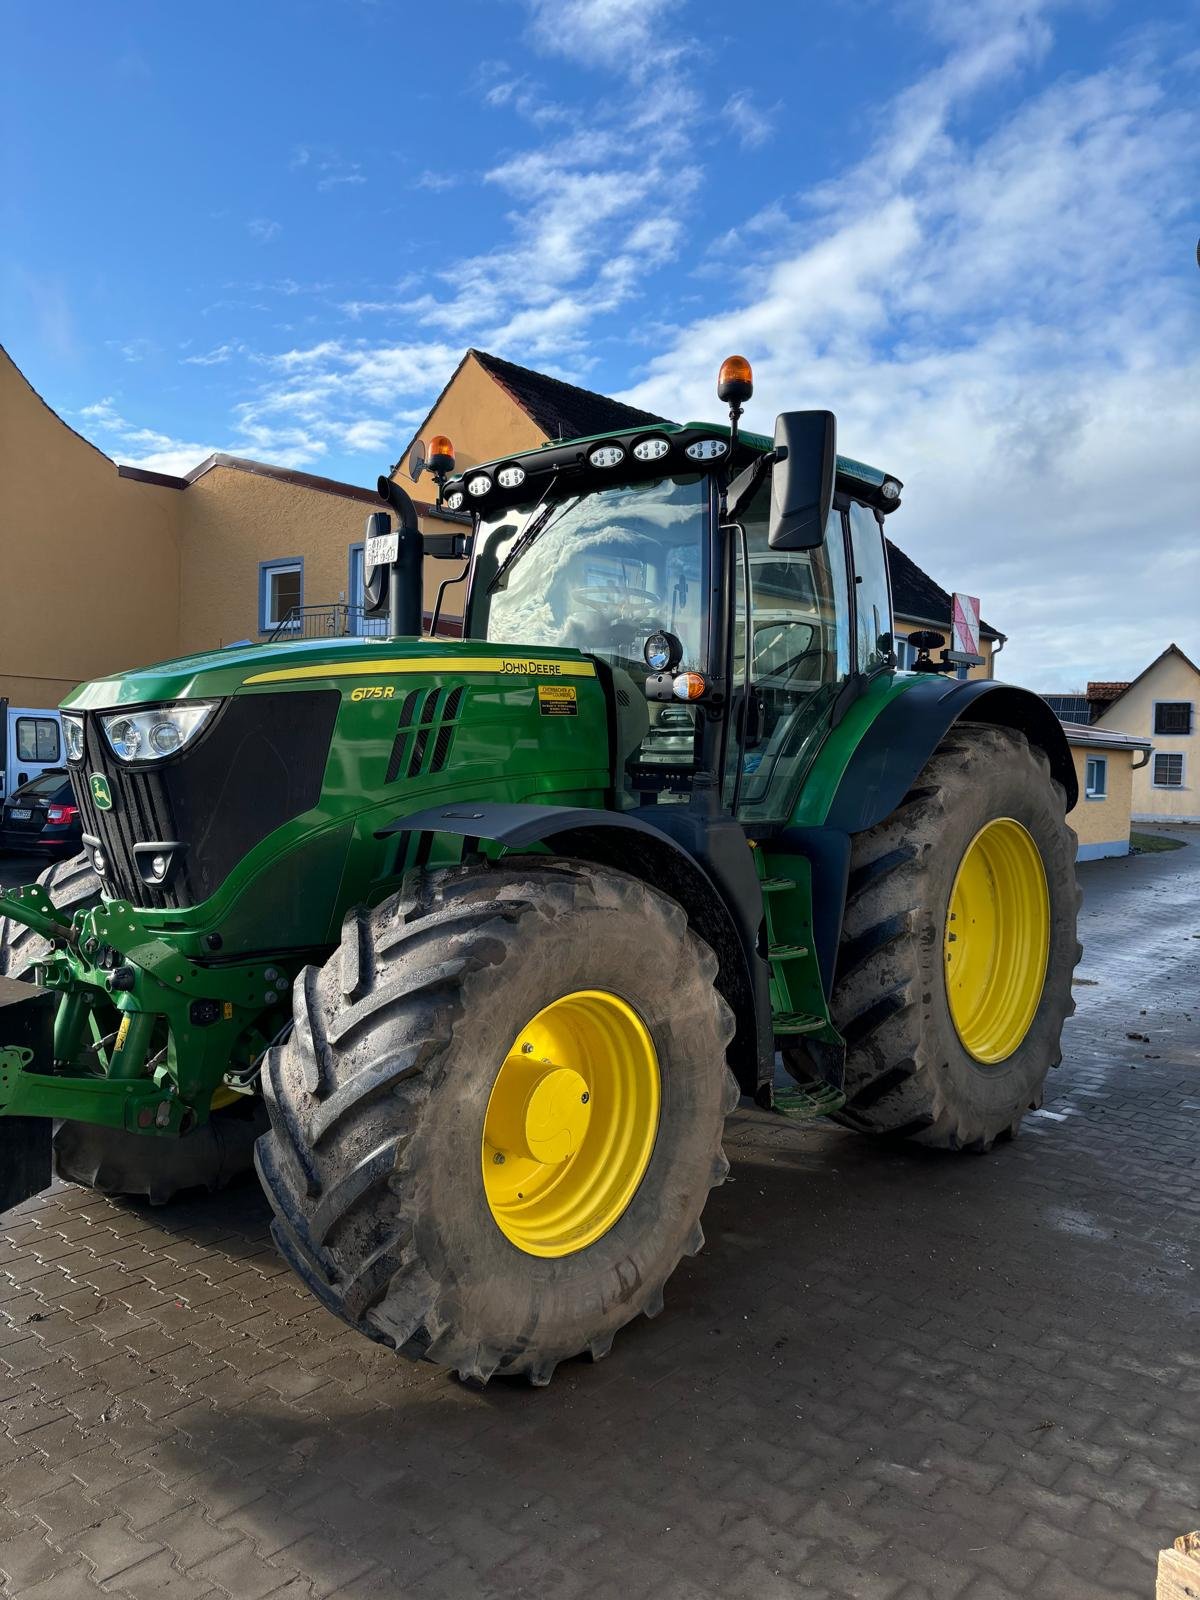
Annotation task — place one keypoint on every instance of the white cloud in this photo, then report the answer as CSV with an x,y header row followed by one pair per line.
x,y
263,229
751,123
216,357
1005,322
137,446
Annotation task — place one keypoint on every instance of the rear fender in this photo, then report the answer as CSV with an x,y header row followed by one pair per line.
x,y
909,728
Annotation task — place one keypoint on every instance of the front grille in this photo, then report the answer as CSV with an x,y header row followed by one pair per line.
x,y
259,763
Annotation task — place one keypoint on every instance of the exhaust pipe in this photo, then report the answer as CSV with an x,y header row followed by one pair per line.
x,y
406,579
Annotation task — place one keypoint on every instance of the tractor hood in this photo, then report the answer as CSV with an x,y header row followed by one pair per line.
x,y
263,668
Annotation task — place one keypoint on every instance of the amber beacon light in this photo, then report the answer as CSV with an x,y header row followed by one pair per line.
x,y
735,382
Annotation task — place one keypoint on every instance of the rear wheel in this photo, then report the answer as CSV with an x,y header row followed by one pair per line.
x,y
110,1159
499,1115
954,971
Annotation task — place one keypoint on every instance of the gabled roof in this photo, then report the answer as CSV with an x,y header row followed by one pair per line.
x,y
562,410
1124,688
916,597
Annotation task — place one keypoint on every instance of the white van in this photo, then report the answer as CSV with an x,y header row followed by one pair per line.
x,y
30,741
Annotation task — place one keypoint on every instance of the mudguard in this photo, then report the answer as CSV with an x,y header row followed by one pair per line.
x,y
707,869
909,728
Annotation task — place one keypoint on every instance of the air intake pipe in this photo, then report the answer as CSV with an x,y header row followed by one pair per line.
x,y
405,575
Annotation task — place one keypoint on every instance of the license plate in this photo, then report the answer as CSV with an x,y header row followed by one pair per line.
x,y
382,550
20,816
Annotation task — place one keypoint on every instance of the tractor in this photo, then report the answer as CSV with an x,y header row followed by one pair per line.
x,y
471,944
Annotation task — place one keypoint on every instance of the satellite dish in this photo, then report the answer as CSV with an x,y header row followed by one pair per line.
x,y
416,460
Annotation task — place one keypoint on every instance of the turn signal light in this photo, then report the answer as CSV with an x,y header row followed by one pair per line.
x,y
735,382
441,454
689,686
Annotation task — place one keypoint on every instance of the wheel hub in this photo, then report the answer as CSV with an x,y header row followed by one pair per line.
x,y
997,941
570,1123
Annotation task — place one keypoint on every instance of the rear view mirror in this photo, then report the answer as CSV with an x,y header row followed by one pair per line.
x,y
802,479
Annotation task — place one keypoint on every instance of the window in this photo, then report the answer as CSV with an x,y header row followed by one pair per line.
x,y
1172,716
872,600
906,654
280,592
37,739
1096,781
1168,770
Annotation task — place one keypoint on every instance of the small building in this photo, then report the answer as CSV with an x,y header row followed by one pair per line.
x,y
1159,706
1106,765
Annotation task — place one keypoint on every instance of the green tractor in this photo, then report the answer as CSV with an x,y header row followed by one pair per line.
x,y
471,945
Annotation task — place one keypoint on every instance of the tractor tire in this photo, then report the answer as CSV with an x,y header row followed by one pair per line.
x,y
909,1073
71,885
136,1166
376,1165
109,1159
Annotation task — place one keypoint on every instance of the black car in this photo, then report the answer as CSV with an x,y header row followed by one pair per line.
x,y
41,817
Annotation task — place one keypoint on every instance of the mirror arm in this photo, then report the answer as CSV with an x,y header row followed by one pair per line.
x,y
742,489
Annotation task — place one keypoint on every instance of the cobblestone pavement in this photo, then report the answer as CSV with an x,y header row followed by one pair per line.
x,y
891,1376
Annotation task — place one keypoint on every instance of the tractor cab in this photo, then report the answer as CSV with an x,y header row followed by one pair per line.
x,y
658,552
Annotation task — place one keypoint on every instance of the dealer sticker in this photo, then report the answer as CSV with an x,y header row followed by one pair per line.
x,y
557,700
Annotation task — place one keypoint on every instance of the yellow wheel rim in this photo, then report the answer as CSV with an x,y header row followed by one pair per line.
x,y
997,940
570,1123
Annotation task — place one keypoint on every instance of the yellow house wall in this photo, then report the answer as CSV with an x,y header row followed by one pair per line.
x,y
482,421
1170,679
89,561
234,520
1103,822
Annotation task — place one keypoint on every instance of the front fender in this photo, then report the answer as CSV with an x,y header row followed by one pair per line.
x,y
719,893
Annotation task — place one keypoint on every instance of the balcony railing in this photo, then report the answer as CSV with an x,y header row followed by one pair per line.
x,y
337,621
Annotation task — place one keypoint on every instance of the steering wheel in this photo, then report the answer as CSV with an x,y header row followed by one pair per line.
x,y
599,598
792,664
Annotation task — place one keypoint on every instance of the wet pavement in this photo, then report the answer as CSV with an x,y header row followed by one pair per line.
x,y
890,1375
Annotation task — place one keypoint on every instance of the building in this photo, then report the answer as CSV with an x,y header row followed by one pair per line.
x,y
491,408
1158,706
104,567
1106,767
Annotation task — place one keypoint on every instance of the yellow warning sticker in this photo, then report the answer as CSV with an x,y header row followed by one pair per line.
x,y
121,1033
557,700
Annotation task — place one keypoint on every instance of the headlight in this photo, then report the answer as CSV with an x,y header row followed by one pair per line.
x,y
153,735
73,734
707,449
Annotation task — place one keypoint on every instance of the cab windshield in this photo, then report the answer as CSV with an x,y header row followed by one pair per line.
x,y
598,572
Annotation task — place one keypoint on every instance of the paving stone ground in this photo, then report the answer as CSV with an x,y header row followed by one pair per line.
x,y
890,1375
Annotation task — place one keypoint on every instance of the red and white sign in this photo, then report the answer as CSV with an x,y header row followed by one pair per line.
x,y
966,625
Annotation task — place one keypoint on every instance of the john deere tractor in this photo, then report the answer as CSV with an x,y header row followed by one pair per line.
x,y
472,944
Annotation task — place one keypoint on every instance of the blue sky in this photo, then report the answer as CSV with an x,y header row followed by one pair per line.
x,y
970,230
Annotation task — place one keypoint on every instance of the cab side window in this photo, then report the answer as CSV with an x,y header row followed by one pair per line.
x,y
872,596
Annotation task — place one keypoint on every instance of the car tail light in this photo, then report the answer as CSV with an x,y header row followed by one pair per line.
x,y
60,814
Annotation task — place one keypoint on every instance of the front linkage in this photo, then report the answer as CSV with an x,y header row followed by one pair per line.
x,y
141,1037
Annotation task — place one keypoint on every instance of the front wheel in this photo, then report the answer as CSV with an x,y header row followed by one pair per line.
x,y
954,971
498,1118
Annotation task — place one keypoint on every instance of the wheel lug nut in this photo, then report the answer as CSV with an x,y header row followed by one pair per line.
x,y
498,1159
584,1098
